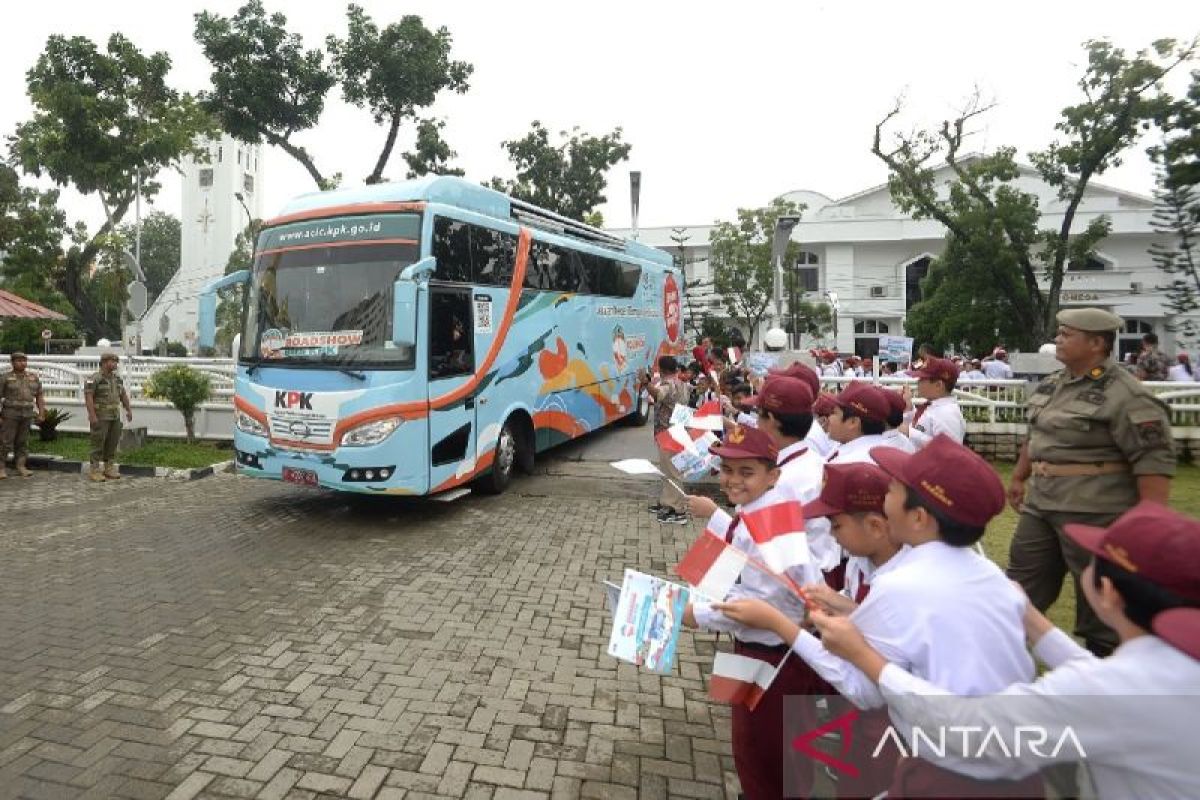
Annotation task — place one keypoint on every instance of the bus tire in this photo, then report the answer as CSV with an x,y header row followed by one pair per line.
x,y
497,478
640,414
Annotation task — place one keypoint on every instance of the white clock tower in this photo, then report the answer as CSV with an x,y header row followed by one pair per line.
x,y
219,198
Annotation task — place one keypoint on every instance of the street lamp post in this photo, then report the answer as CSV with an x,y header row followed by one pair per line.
x,y
779,244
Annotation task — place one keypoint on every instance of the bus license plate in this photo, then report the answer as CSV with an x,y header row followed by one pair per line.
x,y
303,477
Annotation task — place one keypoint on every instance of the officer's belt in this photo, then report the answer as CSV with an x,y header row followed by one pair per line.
x,y
1044,469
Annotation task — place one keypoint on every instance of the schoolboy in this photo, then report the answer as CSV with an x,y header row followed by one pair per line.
x,y
748,475
817,439
741,405
942,612
893,435
1142,582
857,423
940,413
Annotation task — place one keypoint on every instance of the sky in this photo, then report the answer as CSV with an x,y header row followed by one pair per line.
x,y
727,105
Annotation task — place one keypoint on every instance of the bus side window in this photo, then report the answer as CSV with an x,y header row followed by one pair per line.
x,y
451,334
494,255
582,265
538,274
452,249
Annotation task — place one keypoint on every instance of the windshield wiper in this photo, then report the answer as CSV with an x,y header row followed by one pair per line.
x,y
252,368
361,376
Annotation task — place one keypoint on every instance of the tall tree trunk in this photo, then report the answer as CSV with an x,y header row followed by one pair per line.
x,y
376,175
301,155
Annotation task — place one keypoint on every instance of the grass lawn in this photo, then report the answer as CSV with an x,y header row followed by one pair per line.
x,y
155,453
1185,497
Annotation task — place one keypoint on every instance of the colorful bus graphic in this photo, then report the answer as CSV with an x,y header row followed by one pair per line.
x,y
411,338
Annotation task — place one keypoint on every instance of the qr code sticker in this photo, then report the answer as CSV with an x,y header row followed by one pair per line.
x,y
483,315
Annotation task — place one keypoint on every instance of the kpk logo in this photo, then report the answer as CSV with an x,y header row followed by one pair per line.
x,y
295,400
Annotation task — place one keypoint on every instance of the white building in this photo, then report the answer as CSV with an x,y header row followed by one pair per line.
x,y
219,198
872,257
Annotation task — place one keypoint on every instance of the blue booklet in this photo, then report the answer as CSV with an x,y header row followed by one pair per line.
x,y
646,621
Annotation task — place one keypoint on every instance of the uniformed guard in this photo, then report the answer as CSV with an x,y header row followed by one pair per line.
x,y
104,392
1099,443
20,392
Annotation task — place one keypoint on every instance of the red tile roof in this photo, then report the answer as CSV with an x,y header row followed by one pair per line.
x,y
13,306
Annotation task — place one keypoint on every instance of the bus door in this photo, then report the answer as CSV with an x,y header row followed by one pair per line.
x,y
452,428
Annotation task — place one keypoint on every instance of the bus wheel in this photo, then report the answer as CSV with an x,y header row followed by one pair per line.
x,y
640,414
500,475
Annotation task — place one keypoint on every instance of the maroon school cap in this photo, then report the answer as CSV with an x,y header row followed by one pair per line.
x,y
939,369
783,395
1180,628
849,489
824,405
742,441
950,478
896,404
864,400
1151,541
798,370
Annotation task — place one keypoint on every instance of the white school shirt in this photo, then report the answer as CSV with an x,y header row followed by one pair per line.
x,y
754,584
894,438
860,570
941,416
1140,743
997,370
819,441
832,370
801,479
974,375
1179,372
857,450
945,614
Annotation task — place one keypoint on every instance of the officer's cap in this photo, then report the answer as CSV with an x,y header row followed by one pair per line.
x,y
1092,320
17,354
109,357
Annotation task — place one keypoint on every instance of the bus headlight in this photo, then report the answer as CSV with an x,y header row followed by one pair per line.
x,y
248,424
371,432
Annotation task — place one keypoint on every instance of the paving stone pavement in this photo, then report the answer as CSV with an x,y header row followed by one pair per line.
x,y
236,638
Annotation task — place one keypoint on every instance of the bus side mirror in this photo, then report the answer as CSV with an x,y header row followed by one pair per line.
x,y
404,301
206,319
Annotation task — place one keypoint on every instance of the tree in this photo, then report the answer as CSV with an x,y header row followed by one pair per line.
x,y
430,154
265,85
394,72
161,241
568,178
813,320
184,388
741,261
1121,95
1177,210
695,316
100,119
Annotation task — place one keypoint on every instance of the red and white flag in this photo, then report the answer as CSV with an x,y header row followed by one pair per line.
x,y
677,439
711,565
740,679
778,533
708,417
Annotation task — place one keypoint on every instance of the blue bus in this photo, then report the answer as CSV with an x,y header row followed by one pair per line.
x,y
412,338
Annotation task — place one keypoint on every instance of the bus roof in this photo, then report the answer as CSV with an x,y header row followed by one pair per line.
x,y
470,196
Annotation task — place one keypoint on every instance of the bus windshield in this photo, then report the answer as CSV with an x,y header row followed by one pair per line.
x,y
327,305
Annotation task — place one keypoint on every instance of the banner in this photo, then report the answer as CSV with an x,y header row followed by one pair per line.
x,y
896,348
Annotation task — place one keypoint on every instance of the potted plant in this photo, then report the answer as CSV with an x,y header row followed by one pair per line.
x,y
48,427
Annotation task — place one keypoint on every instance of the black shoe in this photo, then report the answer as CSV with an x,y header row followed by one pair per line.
x,y
673,517
657,508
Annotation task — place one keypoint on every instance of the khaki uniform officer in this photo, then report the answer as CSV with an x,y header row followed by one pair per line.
x,y
1098,443
20,391
105,393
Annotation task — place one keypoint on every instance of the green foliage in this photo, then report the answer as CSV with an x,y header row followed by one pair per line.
x,y
174,349
394,72
184,388
99,119
154,453
162,236
229,307
430,154
986,214
814,320
568,178
1177,210
740,254
48,425
265,85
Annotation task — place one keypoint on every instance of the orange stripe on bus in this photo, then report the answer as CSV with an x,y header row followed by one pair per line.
x,y
337,211
559,421
274,250
420,408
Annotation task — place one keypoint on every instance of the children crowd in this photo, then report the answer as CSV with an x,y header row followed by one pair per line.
x,y
899,609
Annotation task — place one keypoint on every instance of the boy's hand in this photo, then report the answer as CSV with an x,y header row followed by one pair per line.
x,y
689,617
755,614
701,506
829,600
840,636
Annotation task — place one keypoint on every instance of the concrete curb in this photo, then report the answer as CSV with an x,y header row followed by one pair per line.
x,y
57,464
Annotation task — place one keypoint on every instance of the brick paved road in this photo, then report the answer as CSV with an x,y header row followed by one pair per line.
x,y
238,638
